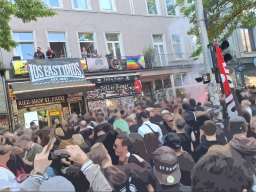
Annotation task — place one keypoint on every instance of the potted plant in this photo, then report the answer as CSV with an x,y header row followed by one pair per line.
x,y
148,53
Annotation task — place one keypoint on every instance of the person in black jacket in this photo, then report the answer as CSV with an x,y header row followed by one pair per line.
x,y
39,54
209,128
50,54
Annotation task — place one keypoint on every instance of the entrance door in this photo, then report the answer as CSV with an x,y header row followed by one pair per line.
x,y
54,114
75,108
42,118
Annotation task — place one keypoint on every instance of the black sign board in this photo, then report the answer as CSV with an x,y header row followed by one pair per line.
x,y
41,101
113,79
44,71
111,90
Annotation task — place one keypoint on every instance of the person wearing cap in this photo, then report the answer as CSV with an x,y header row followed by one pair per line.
x,y
167,170
186,161
168,119
157,116
209,128
151,133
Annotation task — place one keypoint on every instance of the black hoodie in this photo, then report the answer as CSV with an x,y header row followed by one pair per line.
x,y
202,149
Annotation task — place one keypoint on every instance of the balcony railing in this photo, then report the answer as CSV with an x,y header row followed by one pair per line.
x,y
169,60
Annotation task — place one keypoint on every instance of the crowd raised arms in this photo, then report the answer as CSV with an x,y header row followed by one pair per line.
x,y
167,147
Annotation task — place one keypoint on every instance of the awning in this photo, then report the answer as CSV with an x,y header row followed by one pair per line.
x,y
25,90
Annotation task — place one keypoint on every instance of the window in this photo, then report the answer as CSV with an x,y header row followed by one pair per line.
x,y
57,42
177,80
170,7
159,83
193,76
107,5
80,4
167,81
152,7
159,50
52,3
114,45
193,43
177,47
25,46
86,40
131,7
186,79
247,39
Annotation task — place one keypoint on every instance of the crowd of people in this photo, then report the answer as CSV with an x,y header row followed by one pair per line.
x,y
176,146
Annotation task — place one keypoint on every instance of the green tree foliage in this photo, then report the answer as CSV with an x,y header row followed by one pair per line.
x,y
226,16
26,10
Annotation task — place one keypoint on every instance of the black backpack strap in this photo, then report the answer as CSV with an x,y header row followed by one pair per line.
x,y
150,128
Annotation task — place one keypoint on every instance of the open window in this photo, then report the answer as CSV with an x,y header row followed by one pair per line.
x,y
86,40
57,43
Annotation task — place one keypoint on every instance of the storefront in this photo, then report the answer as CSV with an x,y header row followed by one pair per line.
x,y
119,89
55,90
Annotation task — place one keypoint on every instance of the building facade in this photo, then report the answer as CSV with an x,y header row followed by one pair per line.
x,y
121,28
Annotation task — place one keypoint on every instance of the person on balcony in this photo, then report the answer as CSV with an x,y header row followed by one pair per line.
x,y
84,53
95,54
39,54
50,54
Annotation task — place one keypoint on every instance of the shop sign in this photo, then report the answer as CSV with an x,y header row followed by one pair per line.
x,y
54,113
111,90
11,93
41,101
137,86
42,71
73,99
113,79
75,94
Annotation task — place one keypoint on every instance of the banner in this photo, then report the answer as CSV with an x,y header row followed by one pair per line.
x,y
113,79
135,62
44,71
97,64
103,91
20,68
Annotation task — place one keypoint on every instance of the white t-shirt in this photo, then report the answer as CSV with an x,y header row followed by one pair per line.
x,y
7,178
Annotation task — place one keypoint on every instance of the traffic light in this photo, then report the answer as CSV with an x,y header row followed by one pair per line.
x,y
227,57
223,46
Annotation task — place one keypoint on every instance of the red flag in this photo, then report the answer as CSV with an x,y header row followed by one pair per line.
x,y
224,73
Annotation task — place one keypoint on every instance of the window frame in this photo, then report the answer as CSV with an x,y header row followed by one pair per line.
x,y
33,42
60,5
86,32
193,43
158,8
182,46
120,42
164,46
113,3
176,9
132,6
89,6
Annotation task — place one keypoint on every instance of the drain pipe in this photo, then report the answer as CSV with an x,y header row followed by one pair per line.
x,y
7,102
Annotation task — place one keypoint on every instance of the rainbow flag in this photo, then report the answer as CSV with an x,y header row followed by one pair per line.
x,y
135,62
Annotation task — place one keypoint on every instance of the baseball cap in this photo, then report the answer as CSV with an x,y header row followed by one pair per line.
x,y
167,169
172,140
145,114
149,109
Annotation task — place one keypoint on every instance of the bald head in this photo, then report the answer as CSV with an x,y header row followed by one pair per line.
x,y
83,124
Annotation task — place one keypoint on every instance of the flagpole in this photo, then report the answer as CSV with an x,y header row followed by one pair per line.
x,y
203,35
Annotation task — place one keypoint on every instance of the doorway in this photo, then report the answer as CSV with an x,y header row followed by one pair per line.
x,y
42,118
59,48
75,108
89,46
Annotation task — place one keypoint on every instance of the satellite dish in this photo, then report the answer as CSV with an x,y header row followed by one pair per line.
x,y
255,61
240,68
